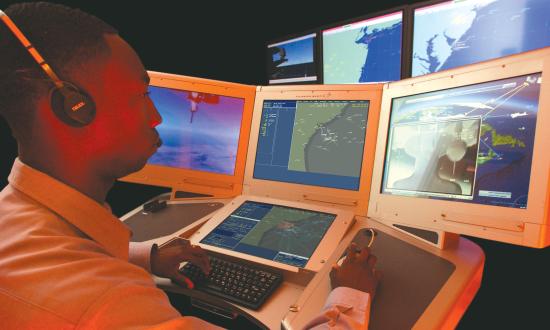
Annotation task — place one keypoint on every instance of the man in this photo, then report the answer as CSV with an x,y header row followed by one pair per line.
x,y
66,261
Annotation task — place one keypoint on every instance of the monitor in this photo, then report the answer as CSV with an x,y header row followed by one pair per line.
x,y
464,151
204,129
455,33
364,50
283,234
293,60
313,142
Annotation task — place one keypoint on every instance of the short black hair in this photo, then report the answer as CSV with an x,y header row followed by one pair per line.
x,y
64,36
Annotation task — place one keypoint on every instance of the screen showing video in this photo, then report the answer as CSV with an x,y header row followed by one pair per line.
x,y
200,131
293,60
471,144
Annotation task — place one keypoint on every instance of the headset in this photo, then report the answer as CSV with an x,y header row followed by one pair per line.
x,y
69,103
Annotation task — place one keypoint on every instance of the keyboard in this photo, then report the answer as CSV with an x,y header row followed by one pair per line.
x,y
245,285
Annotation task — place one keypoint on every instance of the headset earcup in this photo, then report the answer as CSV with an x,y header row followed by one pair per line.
x,y
72,106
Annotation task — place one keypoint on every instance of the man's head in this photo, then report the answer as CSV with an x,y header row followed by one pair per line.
x,y
84,51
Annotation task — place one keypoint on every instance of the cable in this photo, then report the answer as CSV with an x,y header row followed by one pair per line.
x,y
372,234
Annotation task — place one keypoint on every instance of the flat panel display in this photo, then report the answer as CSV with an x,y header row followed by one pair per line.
x,y
293,60
364,51
457,33
279,233
472,144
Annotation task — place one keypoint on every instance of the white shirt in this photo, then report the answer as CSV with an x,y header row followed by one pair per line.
x,y
64,264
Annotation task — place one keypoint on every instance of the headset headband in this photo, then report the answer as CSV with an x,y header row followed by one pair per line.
x,y
30,48
69,103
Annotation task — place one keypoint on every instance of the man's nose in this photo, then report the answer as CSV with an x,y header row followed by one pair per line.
x,y
156,118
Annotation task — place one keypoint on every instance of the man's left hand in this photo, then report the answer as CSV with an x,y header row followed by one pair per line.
x,y
165,260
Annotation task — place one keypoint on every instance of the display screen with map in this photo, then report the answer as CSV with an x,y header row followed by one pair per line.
x,y
456,33
279,233
293,60
309,142
471,143
199,131
364,51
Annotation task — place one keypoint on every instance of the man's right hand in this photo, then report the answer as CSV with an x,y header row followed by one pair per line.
x,y
357,271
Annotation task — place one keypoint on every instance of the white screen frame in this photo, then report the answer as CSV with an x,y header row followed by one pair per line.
x,y
354,200
528,227
197,181
343,220
314,56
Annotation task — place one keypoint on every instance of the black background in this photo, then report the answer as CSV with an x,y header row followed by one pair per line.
x,y
225,41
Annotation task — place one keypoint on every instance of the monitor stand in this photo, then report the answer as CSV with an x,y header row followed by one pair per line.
x,y
179,194
437,238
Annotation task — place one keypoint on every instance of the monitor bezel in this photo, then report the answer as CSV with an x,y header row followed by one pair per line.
x,y
404,37
194,181
529,226
331,238
356,200
316,57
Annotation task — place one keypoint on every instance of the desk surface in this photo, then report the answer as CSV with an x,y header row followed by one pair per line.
x,y
178,218
423,287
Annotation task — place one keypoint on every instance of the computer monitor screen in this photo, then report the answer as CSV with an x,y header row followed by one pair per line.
x,y
456,33
364,51
472,144
317,143
200,131
274,232
293,60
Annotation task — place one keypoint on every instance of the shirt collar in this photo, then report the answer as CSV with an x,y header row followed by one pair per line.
x,y
87,215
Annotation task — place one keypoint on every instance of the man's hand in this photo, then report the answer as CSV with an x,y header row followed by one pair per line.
x,y
357,271
165,261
